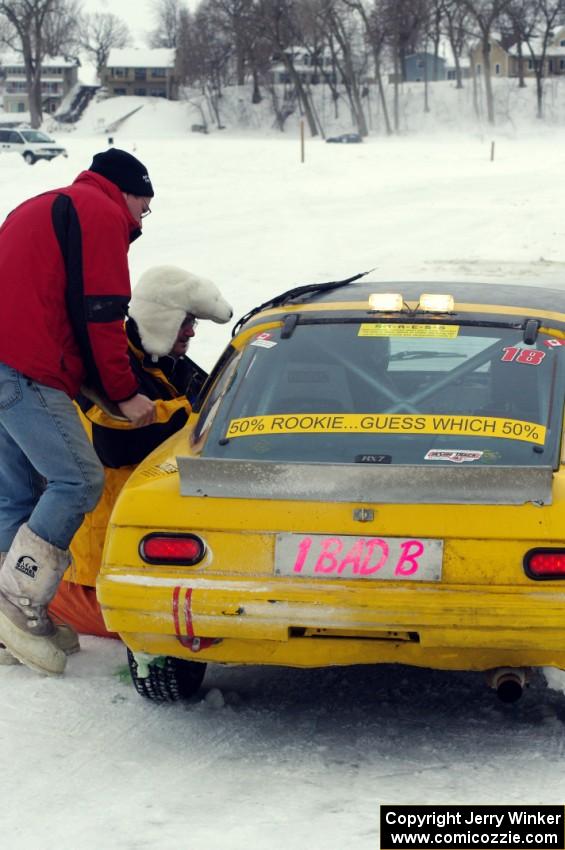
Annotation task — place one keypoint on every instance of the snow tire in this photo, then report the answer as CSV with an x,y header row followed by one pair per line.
x,y
171,680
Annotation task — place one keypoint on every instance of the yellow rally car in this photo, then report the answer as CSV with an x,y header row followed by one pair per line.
x,y
372,474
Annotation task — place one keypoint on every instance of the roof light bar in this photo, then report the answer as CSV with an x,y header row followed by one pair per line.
x,y
386,302
434,302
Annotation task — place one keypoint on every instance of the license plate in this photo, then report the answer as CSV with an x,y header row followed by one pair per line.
x,y
348,557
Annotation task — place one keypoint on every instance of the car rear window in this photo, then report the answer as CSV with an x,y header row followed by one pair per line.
x,y
374,392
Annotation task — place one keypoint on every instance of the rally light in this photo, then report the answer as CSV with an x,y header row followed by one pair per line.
x,y
161,548
436,303
386,302
544,564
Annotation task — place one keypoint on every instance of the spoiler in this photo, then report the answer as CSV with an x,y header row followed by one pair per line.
x,y
349,482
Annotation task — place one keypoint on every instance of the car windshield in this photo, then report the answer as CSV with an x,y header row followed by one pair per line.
x,y
35,136
373,392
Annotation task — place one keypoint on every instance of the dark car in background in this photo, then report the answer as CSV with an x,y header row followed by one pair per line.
x,y
346,139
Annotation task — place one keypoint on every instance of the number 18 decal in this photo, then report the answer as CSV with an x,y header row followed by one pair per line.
x,y
523,355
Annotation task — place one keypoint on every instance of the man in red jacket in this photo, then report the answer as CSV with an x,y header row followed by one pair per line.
x,y
64,291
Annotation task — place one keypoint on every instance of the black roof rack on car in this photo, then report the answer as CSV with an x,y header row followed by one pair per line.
x,y
296,292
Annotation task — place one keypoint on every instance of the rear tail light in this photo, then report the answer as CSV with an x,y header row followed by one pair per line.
x,y
542,564
161,548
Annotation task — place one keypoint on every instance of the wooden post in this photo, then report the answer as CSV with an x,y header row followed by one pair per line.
x,y
492,151
302,140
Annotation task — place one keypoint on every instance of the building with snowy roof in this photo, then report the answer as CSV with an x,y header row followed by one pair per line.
x,y
312,66
144,72
58,77
499,58
505,61
554,60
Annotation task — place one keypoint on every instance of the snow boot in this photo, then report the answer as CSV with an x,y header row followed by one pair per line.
x,y
29,578
6,657
65,637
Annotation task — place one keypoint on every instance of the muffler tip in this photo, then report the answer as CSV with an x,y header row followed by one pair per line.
x,y
508,682
509,690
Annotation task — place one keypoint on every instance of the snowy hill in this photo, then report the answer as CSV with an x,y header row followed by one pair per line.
x,y
451,110
149,117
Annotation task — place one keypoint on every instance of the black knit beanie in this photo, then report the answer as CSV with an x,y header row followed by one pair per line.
x,y
128,173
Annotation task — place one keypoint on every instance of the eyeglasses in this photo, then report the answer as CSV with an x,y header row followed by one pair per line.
x,y
146,212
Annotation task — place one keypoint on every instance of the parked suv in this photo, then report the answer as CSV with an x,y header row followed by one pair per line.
x,y
31,144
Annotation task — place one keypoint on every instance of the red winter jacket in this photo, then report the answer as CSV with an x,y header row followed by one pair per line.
x,y
64,288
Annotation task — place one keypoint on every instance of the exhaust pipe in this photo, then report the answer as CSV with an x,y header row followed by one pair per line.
x,y
508,682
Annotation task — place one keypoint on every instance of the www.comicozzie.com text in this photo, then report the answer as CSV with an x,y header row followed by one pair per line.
x,y
469,827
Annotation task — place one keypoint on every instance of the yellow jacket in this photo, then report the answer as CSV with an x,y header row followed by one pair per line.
x,y
172,384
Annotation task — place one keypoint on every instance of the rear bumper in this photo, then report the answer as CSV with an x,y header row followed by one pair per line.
x,y
310,624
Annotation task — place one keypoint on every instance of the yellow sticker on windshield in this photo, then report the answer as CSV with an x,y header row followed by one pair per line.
x,y
387,423
435,331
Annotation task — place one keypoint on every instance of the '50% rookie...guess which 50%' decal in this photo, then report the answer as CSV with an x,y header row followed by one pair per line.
x,y
374,423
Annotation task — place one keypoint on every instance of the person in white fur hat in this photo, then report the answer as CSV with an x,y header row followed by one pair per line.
x,y
165,306
163,311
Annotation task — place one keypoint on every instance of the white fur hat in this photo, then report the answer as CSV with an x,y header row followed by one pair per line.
x,y
162,298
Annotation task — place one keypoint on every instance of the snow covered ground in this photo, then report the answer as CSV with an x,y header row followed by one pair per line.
x,y
275,758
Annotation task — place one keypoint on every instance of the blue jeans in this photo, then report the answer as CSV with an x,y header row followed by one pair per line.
x,y
50,475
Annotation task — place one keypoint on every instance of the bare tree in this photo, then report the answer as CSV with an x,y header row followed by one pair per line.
x,y
167,16
406,21
456,29
341,26
486,14
258,57
203,55
280,26
234,19
377,35
516,25
240,24
62,28
322,52
186,43
434,31
25,34
99,33
545,14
